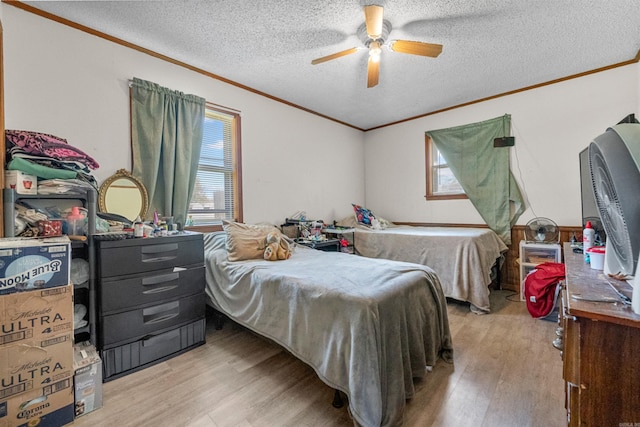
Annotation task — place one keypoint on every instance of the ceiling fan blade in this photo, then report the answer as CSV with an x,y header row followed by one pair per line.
x,y
373,71
334,56
416,48
373,20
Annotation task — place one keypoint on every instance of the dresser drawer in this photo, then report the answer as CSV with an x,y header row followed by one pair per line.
x,y
123,293
137,323
131,256
151,349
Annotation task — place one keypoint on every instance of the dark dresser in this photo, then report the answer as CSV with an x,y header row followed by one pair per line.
x,y
151,300
601,343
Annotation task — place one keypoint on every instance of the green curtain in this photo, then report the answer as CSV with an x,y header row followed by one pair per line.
x,y
483,170
166,133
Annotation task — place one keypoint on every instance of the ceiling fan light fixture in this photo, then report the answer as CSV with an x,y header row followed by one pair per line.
x,y
375,49
374,33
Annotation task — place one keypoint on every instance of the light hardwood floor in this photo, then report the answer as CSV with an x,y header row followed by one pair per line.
x,y
505,373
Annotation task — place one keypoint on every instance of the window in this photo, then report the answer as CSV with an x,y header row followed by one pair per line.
x,y
218,189
441,183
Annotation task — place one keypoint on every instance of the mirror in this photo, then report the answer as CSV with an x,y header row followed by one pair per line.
x,y
123,194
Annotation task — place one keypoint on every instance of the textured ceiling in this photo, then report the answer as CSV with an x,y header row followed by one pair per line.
x,y
490,46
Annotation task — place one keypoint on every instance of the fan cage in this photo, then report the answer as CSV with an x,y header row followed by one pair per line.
x,y
542,230
609,149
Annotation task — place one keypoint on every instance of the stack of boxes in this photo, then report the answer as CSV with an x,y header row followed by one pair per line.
x,y
36,332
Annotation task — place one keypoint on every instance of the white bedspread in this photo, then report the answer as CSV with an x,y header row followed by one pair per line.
x,y
462,257
367,326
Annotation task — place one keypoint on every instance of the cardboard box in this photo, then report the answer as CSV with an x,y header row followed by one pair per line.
x,y
21,182
87,379
31,365
45,407
36,315
27,264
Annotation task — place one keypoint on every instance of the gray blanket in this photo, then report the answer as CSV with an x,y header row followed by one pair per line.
x,y
366,326
462,257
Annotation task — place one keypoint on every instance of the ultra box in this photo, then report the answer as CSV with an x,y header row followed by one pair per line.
x,y
87,378
36,315
27,264
47,406
31,365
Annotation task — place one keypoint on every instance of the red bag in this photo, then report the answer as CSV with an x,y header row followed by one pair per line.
x,y
540,288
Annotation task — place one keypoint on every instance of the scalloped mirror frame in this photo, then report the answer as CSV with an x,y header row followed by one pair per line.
x,y
108,187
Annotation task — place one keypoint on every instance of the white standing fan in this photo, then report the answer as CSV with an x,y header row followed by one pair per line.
x,y
614,162
542,230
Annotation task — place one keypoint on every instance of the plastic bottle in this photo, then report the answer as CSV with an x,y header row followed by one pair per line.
x,y
138,228
75,222
588,236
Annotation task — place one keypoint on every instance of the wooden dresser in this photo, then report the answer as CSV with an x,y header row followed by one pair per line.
x,y
601,351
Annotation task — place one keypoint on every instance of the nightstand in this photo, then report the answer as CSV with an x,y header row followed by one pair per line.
x,y
349,234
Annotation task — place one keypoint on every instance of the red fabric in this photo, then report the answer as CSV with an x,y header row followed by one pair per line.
x,y
540,288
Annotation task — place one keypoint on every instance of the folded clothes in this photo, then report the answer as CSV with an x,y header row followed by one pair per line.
x,y
63,186
71,165
40,171
47,145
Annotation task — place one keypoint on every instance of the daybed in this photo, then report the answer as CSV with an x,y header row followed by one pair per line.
x,y
463,258
366,326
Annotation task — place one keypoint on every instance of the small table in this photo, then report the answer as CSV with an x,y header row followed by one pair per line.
x,y
342,233
328,245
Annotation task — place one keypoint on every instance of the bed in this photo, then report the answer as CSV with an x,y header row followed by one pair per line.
x,y
463,258
368,327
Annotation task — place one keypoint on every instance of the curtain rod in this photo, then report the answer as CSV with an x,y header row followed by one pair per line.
x,y
130,83
224,107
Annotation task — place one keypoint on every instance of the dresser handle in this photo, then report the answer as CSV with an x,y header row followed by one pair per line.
x,y
159,258
154,249
160,318
159,253
153,284
159,289
155,280
151,340
161,313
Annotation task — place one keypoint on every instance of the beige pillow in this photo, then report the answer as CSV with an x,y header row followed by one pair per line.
x,y
245,241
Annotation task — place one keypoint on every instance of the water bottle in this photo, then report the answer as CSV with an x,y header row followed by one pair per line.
x,y
75,222
138,228
588,236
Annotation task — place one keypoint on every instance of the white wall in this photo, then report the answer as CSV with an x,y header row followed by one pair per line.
x,y
551,124
62,81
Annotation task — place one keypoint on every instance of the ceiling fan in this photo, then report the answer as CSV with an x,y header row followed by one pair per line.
x,y
374,33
